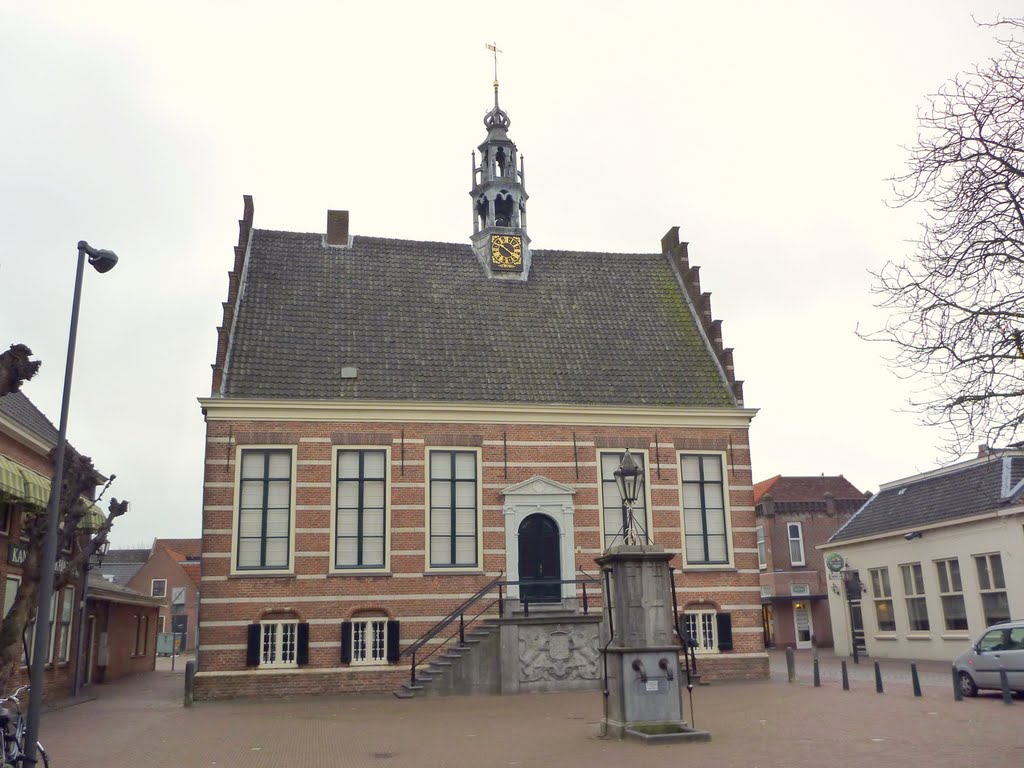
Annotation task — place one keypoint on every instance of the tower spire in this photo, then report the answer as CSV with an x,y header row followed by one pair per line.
x,y
499,197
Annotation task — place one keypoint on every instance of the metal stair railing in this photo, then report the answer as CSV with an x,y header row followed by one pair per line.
x,y
460,614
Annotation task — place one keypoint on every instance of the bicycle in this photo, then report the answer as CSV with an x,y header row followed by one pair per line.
x,y
12,733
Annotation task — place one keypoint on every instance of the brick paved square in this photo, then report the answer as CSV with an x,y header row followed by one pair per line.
x,y
140,721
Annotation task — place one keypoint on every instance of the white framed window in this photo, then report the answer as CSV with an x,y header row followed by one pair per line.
x,y
279,644
705,508
702,626
795,533
10,592
992,585
800,590
158,588
951,592
762,554
767,591
881,591
913,591
369,641
265,506
613,511
453,508
161,623
360,524
67,612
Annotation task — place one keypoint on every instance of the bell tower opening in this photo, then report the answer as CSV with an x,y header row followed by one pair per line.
x,y
499,198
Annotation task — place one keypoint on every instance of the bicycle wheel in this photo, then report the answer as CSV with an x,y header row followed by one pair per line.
x,y
42,754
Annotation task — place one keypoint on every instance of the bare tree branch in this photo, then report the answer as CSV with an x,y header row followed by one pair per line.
x,y
957,303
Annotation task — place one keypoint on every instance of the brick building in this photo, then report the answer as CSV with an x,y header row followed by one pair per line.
x,y
394,425
117,637
795,515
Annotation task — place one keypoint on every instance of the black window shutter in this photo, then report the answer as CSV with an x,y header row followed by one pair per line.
x,y
252,648
393,641
724,621
302,645
346,642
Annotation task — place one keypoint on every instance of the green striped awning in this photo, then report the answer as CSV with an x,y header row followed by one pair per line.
x,y
33,490
11,481
94,516
37,489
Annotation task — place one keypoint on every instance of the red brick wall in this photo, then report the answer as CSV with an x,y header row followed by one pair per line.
x,y
162,566
416,598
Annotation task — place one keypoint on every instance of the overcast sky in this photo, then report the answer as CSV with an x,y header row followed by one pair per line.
x,y
764,130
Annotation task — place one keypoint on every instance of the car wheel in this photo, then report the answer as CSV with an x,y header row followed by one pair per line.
x,y
967,686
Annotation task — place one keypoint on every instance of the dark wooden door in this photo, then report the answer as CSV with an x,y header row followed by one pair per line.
x,y
540,567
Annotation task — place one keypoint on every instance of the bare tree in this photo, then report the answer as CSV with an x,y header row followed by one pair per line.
x,y
80,480
16,368
958,302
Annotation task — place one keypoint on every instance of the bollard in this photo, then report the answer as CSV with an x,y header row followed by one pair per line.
x,y
1004,682
958,695
817,674
790,665
878,679
190,681
846,677
915,681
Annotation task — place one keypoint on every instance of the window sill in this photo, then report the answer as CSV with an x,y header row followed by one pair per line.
x,y
472,570
886,637
954,636
918,637
369,665
723,568
354,572
275,668
261,575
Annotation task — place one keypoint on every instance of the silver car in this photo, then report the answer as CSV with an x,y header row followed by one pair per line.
x,y
1001,647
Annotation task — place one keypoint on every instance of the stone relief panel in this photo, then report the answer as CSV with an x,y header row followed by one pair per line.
x,y
558,653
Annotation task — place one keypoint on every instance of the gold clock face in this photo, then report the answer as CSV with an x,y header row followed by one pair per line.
x,y
507,251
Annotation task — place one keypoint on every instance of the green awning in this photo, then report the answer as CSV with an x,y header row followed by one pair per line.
x,y
11,481
94,516
32,489
37,489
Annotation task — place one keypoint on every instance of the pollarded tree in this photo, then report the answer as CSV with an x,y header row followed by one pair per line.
x,y
958,302
80,480
16,368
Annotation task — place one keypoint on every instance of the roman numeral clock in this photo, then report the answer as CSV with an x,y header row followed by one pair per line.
x,y
507,252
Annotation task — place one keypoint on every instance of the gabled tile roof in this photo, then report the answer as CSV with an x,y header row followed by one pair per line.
x,y
813,488
193,570
973,488
17,407
189,549
420,321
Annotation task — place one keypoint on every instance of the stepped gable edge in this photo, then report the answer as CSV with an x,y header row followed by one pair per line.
x,y
230,305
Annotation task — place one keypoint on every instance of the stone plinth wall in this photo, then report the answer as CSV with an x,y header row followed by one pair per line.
x,y
555,653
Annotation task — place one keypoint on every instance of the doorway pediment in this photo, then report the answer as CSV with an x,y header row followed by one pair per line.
x,y
538,485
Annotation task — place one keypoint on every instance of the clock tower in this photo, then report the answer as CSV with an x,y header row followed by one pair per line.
x,y
499,202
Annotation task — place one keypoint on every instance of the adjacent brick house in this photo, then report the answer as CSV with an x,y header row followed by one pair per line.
x,y
26,440
169,572
795,515
393,424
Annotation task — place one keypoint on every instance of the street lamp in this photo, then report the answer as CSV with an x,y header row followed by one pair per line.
x,y
96,559
101,261
629,478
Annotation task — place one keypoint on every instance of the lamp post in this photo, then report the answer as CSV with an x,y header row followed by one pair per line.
x,y
629,478
101,261
95,559
852,585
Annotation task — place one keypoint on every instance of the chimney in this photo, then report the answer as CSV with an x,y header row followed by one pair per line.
x,y
337,227
983,450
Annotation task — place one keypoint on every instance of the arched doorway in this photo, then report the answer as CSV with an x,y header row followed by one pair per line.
x,y
539,560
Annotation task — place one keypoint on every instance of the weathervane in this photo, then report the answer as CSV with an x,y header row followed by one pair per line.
x,y
496,51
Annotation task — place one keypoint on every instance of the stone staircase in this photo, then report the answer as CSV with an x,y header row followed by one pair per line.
x,y
459,669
